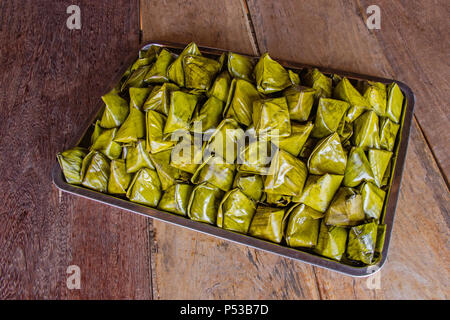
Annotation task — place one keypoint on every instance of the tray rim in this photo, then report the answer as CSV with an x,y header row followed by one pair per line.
x,y
284,251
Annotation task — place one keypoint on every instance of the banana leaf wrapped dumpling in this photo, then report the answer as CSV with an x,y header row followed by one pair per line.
x,y
116,110
330,113
158,71
320,82
240,66
388,134
358,168
251,185
182,106
358,104
331,242
226,140
216,171
187,155
135,79
70,162
236,211
270,76
155,123
379,161
199,72
221,87
271,118
119,179
276,200
346,209
97,131
394,103
302,226
328,157
362,242
373,200
106,143
137,157
240,100
159,97
366,131
133,128
287,175
204,203
300,101
209,116
256,155
168,175
176,199
175,72
95,171
375,94
268,224
319,191
145,188
295,142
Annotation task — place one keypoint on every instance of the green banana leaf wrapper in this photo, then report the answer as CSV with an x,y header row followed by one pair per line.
x,y
388,134
300,101
328,157
270,76
271,118
159,98
235,211
135,79
221,87
346,209
217,172
175,71
226,139
373,200
345,91
287,175
250,184
119,178
240,100
167,174
158,71
116,111
330,113
276,200
375,93
145,188
137,157
199,72
255,157
394,103
240,67
379,161
362,241
268,224
182,106
176,199
155,123
97,131
209,117
105,143
302,228
331,242
95,171
358,168
320,82
319,191
70,162
204,203
366,131
299,135
187,155
295,78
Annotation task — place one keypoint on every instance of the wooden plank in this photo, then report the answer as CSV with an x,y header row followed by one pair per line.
x,y
213,268
51,79
333,34
212,23
412,46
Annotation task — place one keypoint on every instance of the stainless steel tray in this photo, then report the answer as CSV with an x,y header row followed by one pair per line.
x,y
390,202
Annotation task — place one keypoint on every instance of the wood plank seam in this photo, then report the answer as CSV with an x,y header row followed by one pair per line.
x,y
251,28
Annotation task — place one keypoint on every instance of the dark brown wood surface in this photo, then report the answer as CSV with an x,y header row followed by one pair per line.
x,y
51,79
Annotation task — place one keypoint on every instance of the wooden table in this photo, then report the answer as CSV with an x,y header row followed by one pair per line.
x,y
51,79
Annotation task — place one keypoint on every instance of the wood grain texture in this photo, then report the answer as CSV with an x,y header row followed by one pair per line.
x,y
412,46
213,23
51,80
